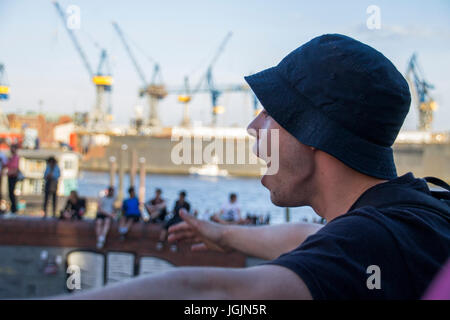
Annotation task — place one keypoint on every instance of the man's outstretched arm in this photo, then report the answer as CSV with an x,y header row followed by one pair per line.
x,y
266,242
265,282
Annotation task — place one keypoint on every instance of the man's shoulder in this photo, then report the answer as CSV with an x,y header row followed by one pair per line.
x,y
363,223
380,228
390,217
403,192
403,202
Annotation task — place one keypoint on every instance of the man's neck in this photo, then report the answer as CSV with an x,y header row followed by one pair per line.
x,y
338,188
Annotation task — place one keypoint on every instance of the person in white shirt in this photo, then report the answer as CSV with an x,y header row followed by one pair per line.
x,y
105,214
230,213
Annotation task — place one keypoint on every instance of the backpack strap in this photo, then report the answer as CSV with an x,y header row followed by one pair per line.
x,y
393,195
438,194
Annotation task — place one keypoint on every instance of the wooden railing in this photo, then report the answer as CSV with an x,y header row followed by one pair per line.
x,y
141,241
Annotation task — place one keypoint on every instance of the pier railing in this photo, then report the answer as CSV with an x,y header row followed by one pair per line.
x,y
39,257
141,241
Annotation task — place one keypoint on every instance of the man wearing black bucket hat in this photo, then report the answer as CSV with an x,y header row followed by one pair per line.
x,y
338,106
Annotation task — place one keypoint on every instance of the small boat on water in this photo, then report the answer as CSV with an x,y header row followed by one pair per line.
x,y
209,169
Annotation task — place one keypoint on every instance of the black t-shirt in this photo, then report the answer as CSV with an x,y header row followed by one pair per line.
x,y
397,226
162,212
178,206
77,206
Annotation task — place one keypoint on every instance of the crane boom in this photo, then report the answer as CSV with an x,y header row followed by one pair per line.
x,y
74,40
130,53
420,90
220,49
216,56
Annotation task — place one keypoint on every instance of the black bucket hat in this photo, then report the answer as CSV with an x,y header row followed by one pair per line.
x,y
340,96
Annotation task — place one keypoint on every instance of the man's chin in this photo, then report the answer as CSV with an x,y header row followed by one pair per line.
x,y
276,201
264,181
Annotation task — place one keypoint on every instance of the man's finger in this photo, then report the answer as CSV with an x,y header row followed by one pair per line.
x,y
181,236
179,227
191,220
199,247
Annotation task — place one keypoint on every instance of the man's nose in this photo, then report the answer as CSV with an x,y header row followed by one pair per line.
x,y
254,126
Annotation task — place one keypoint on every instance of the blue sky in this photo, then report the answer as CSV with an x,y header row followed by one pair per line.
x,y
42,63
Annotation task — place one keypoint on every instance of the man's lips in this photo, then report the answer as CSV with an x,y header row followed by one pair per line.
x,y
256,150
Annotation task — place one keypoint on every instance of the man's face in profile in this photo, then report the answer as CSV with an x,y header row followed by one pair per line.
x,y
290,186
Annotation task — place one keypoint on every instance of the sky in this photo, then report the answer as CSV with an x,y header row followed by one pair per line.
x,y
46,74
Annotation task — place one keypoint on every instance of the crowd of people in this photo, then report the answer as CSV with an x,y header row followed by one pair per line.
x,y
11,166
155,211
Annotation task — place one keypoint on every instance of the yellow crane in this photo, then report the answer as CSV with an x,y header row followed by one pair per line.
x,y
154,91
4,95
425,104
101,115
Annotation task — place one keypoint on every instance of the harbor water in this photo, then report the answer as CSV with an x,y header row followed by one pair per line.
x,y
206,194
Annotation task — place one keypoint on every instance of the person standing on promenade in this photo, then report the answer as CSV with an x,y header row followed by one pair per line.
x,y
3,161
51,176
13,176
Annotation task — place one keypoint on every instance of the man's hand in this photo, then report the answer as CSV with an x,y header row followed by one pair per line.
x,y
205,235
265,242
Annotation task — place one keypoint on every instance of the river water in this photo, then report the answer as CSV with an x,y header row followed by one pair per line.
x,y
206,194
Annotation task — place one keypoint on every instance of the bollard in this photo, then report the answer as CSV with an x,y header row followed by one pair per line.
x,y
142,188
288,214
112,171
121,172
133,167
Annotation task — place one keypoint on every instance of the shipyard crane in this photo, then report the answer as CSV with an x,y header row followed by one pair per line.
x,y
185,98
211,88
151,89
100,117
186,95
425,104
4,95
256,109
215,93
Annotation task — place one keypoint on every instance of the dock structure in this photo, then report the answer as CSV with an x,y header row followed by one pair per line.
x,y
423,153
